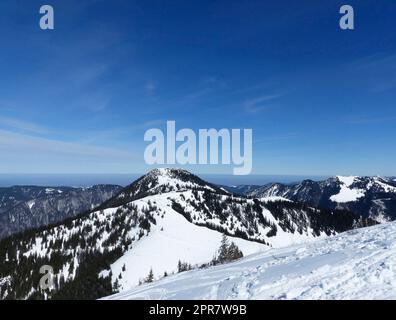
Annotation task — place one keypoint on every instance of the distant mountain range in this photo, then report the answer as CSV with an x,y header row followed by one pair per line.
x,y
165,218
25,207
373,197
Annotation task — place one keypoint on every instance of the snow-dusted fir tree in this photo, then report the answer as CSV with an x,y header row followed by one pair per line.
x,y
150,277
228,251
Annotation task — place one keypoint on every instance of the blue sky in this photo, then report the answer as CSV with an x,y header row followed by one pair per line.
x,y
320,101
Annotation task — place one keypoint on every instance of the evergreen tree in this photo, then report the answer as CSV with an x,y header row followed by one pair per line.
x,y
116,285
223,250
227,252
150,277
233,252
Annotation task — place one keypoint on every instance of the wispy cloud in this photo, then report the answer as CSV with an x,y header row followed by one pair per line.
x,y
96,102
276,137
29,130
149,124
18,124
193,96
375,61
11,142
150,88
114,134
383,86
368,119
259,104
379,70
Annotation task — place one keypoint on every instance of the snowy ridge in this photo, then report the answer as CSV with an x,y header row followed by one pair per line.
x,y
358,264
159,181
166,180
373,197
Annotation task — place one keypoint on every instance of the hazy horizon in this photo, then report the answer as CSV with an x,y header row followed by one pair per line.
x,y
85,180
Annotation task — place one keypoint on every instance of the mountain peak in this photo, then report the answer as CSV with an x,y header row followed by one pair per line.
x,y
168,172
161,180
347,180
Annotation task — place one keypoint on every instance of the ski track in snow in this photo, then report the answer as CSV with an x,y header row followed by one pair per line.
x,y
359,264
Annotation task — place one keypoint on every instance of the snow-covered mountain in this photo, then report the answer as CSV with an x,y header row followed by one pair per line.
x,y
358,264
25,207
373,197
167,216
160,181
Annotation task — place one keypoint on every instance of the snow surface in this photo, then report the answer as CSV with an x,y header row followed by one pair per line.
x,y
31,204
359,264
387,188
347,194
51,191
347,181
274,199
173,238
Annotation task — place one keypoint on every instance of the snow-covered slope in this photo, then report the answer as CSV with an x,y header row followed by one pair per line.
x,y
346,193
358,264
171,239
